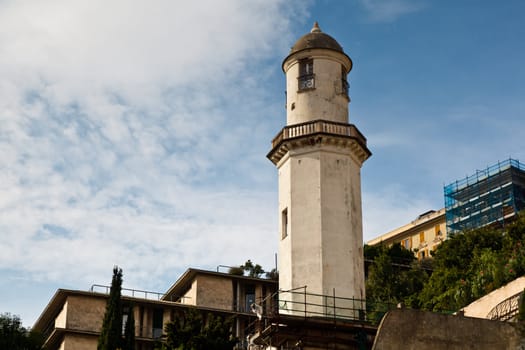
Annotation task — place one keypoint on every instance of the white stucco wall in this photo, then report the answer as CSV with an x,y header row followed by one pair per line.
x,y
320,187
327,101
61,319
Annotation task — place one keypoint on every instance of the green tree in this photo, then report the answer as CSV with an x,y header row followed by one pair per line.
x,y
111,332
250,269
463,265
15,337
473,263
218,333
463,268
394,276
193,331
382,283
253,270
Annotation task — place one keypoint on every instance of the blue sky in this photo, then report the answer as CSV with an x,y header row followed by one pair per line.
x,y
135,133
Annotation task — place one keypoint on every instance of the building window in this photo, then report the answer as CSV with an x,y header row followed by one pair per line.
x,y
421,237
249,297
344,82
437,230
306,75
126,311
284,223
407,243
158,315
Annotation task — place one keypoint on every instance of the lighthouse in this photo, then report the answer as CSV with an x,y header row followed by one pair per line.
x,y
319,155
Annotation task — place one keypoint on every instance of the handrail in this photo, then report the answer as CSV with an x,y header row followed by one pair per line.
x,y
318,126
507,309
149,295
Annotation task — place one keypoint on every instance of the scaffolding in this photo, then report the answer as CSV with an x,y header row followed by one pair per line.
x,y
489,196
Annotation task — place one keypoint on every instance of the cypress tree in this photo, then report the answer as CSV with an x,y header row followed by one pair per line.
x,y
111,332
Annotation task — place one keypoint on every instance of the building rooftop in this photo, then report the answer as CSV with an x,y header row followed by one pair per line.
x,y
422,218
184,281
316,39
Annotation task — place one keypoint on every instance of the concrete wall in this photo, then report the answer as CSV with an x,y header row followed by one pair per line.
x,y
190,297
61,319
215,292
413,329
85,313
320,187
342,231
305,220
327,101
285,242
79,342
324,247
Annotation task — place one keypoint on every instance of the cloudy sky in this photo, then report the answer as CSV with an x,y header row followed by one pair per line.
x,y
135,132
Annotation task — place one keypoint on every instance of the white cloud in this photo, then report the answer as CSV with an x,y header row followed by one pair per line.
x,y
118,121
390,10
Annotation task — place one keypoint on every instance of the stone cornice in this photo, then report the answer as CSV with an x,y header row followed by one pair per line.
x,y
319,132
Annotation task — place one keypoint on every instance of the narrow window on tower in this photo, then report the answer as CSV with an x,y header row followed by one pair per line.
x,y
306,74
284,223
344,82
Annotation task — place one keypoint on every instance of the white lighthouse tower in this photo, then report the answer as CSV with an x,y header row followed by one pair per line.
x,y
319,156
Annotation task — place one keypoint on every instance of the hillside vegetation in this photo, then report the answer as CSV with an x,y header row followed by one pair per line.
x,y
461,270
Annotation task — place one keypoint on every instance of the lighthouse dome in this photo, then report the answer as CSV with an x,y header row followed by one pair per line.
x,y
316,39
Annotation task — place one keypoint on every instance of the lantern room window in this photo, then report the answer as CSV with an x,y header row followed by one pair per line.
x,y
306,75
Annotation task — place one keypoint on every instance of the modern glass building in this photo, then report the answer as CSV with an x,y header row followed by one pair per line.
x,y
489,196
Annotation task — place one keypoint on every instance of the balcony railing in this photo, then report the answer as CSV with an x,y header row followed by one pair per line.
x,y
318,126
298,302
139,294
306,82
134,293
507,310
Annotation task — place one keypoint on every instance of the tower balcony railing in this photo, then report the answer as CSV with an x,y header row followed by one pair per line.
x,y
306,82
318,126
300,303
